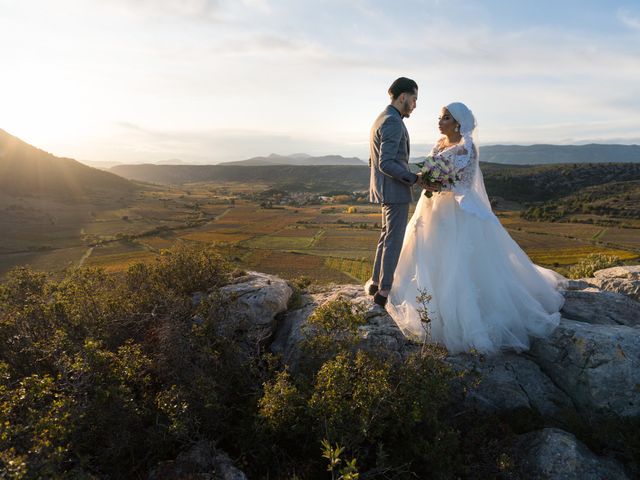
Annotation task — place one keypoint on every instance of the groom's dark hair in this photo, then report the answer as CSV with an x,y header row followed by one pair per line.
x,y
402,85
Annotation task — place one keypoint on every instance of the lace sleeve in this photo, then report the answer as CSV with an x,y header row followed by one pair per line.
x,y
465,163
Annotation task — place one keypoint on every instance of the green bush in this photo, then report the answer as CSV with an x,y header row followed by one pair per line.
x,y
592,263
389,414
105,375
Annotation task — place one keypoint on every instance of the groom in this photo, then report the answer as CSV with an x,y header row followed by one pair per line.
x,y
391,181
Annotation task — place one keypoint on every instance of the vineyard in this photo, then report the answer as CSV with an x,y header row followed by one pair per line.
x,y
327,243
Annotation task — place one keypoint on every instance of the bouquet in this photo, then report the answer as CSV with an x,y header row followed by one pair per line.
x,y
437,171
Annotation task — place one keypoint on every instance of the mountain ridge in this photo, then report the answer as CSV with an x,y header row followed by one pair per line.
x,y
301,159
28,170
539,154
517,182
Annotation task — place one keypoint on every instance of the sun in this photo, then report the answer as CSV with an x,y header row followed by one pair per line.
x,y
48,111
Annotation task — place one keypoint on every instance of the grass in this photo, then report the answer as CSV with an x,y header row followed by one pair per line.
x,y
291,265
574,255
276,242
119,262
359,270
217,237
629,237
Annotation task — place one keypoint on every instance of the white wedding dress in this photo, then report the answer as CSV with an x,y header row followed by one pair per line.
x,y
486,294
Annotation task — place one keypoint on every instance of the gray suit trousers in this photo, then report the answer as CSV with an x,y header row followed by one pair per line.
x,y
394,224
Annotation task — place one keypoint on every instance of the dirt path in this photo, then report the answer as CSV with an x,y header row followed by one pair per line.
x,y
86,255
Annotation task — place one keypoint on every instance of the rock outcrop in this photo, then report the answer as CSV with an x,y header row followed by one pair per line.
x,y
625,280
594,306
254,302
380,330
555,454
509,383
590,365
201,462
598,366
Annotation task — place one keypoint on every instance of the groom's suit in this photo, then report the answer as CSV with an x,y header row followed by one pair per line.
x,y
390,185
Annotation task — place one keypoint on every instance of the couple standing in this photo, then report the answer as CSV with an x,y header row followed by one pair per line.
x,y
485,293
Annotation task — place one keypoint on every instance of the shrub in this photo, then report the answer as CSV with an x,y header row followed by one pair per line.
x,y
592,263
331,328
105,375
387,413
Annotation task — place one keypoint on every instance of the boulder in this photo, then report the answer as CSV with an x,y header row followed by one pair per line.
x,y
577,284
508,383
594,306
380,331
553,454
254,300
625,280
201,462
288,335
598,366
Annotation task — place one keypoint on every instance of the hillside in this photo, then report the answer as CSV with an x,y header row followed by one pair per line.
x,y
298,159
546,154
523,183
614,199
28,171
286,177
534,183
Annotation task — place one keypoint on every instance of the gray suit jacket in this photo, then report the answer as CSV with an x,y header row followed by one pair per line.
x,y
391,179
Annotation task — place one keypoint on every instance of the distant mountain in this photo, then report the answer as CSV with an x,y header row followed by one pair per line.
x,y
523,183
288,177
544,154
101,164
297,159
27,170
171,161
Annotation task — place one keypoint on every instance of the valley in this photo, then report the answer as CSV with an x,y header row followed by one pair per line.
x,y
292,219
331,241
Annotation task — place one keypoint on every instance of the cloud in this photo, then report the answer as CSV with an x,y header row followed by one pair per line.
x,y
628,18
527,51
257,43
260,5
221,11
190,9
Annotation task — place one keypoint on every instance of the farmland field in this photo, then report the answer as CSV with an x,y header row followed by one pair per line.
x,y
324,242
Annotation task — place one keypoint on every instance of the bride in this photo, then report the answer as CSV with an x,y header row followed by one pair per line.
x,y
485,293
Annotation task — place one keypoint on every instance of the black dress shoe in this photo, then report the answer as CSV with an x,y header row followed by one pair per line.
x,y
380,299
373,289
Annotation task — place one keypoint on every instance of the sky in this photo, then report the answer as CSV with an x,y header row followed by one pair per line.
x,y
205,81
